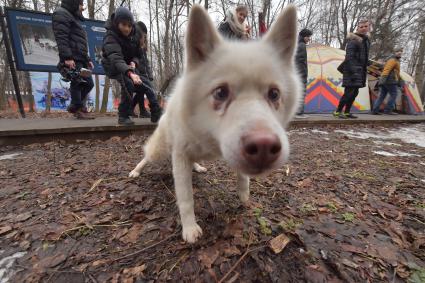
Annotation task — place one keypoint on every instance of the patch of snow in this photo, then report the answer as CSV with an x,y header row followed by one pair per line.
x,y
386,143
359,135
421,163
395,153
423,180
6,264
384,153
9,156
319,132
410,134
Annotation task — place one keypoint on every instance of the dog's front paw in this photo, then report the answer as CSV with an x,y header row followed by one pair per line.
x,y
134,174
192,233
244,197
198,168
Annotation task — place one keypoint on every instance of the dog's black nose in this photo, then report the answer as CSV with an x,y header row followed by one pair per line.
x,y
261,149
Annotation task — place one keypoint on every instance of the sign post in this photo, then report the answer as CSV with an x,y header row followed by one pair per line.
x,y
11,62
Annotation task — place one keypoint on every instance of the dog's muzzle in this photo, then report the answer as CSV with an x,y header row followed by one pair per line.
x,y
260,150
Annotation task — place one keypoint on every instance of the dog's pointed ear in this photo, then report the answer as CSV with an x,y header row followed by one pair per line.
x,y
201,38
283,33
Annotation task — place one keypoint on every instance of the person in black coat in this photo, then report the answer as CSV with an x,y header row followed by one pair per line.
x,y
120,60
144,70
354,68
71,40
301,63
233,26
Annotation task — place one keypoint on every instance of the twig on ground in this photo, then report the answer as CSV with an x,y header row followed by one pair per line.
x,y
239,261
95,184
142,250
171,193
177,262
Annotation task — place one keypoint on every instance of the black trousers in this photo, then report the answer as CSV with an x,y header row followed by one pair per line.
x,y
347,100
79,90
301,108
139,98
125,108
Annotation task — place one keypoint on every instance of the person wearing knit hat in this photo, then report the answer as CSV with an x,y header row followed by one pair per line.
x,y
389,83
120,60
71,39
123,14
301,63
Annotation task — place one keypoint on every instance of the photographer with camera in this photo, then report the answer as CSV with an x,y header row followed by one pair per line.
x,y
74,61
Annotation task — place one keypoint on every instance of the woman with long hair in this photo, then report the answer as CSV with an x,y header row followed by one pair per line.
x,y
234,26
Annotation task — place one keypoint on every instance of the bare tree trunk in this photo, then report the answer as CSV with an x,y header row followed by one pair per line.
x,y
96,102
28,87
158,34
105,96
91,6
107,83
150,31
3,94
423,92
419,72
49,93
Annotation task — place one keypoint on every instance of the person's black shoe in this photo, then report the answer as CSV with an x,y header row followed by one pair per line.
x,y
350,116
72,109
390,113
80,115
125,121
145,114
155,115
376,113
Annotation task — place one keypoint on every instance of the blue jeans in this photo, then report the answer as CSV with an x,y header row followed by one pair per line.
x,y
384,90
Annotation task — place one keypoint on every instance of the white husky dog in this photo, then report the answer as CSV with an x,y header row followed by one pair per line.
x,y
233,101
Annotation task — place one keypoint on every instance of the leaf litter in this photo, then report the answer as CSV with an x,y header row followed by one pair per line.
x,y
336,212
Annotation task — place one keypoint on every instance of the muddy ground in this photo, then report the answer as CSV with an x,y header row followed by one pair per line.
x,y
344,209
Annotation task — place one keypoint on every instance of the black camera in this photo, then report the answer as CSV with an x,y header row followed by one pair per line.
x,y
78,74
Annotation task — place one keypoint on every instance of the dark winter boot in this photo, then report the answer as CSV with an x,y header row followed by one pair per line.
x,y
156,114
125,121
72,109
144,114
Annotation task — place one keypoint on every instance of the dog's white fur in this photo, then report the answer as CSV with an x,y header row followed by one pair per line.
x,y
226,93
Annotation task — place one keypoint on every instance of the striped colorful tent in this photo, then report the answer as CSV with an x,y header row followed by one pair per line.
x,y
324,85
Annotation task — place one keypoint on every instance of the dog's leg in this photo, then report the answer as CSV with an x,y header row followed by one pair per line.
x,y
198,168
243,188
182,173
138,169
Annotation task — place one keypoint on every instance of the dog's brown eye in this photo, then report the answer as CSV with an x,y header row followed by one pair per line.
x,y
221,93
274,94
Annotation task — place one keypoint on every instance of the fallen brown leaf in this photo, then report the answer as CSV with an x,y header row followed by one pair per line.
x,y
5,229
279,243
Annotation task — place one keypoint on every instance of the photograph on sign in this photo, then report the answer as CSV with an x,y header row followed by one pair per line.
x,y
38,44
34,44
